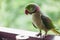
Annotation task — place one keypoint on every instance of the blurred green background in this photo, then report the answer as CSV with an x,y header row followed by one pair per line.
x,y
12,13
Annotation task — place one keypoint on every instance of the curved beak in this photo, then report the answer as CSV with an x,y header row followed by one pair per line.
x,y
26,12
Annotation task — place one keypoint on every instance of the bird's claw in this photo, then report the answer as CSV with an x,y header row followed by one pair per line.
x,y
39,34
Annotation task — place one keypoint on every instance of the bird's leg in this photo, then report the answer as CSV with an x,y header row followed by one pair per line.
x,y
45,35
39,34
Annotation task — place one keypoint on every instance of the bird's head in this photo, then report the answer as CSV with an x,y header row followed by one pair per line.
x,y
31,8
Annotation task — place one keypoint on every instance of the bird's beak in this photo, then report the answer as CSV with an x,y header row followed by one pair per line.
x,y
26,12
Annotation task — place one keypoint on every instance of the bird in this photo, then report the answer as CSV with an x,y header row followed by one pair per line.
x,y
39,20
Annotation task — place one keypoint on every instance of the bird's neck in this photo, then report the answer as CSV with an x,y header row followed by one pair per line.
x,y
38,13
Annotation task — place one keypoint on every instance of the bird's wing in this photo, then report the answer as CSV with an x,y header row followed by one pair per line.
x,y
47,22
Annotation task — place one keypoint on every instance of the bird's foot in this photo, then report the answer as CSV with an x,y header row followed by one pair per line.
x,y
39,34
44,37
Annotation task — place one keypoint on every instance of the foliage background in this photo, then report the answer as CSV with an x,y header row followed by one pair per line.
x,y
12,13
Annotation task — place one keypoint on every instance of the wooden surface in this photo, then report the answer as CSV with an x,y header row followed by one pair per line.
x,y
15,34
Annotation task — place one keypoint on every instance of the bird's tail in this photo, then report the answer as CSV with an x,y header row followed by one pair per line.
x,y
54,30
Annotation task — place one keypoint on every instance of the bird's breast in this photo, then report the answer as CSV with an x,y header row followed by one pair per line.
x,y
38,22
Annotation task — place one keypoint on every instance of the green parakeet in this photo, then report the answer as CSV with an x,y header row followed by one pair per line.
x,y
40,21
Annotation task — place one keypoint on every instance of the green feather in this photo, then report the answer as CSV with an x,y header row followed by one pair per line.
x,y
47,22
